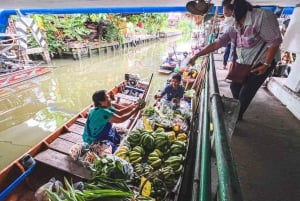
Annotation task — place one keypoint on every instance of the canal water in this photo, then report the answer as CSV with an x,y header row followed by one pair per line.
x,y
31,110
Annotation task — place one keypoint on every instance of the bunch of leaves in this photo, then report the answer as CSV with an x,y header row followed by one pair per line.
x,y
53,35
111,166
186,26
65,194
153,22
113,31
59,28
105,188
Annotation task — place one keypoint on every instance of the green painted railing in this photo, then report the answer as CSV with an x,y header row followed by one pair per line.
x,y
211,112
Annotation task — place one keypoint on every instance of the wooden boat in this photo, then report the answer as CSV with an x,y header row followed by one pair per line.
x,y
182,60
167,68
8,79
50,157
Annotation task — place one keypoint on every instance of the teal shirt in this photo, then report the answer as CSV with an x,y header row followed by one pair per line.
x,y
97,119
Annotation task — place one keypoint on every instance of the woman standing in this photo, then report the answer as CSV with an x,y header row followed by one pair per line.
x,y
255,29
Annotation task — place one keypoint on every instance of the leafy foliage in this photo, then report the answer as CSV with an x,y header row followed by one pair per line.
x,y
59,29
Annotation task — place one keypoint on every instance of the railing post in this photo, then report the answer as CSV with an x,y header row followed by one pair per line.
x,y
228,184
205,179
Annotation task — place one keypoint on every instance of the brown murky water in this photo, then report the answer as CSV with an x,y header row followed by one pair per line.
x,y
33,109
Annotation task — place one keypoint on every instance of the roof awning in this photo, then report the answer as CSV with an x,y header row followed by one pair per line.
x,y
288,11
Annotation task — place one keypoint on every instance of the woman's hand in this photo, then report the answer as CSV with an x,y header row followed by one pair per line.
x,y
176,100
229,65
261,69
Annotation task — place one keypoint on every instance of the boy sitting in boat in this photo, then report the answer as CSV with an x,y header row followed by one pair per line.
x,y
99,122
172,92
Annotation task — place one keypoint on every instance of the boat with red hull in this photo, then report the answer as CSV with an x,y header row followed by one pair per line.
x,y
8,79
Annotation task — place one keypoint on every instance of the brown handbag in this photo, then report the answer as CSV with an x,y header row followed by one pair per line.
x,y
239,72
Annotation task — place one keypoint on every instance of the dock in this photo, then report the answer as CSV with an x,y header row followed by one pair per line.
x,y
86,49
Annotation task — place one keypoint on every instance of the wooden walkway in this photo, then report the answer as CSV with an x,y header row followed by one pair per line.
x,y
79,49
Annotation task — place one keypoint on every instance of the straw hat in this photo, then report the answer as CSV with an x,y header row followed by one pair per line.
x,y
198,8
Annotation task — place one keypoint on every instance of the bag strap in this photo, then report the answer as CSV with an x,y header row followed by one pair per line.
x,y
235,56
258,53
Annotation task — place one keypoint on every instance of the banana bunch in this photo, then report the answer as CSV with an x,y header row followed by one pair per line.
x,y
178,147
171,136
158,190
147,141
155,158
134,138
175,162
135,157
166,172
179,170
139,149
138,168
159,130
171,182
123,152
148,169
182,137
161,139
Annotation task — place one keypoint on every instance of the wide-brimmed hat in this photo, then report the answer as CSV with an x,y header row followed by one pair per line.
x,y
199,8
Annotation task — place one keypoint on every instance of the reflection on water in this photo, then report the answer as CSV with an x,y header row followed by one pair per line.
x,y
32,110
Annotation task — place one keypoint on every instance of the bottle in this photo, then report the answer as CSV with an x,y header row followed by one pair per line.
x,y
176,69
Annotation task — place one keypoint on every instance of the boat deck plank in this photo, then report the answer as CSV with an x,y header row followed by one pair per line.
x,y
81,121
63,162
72,137
61,145
76,128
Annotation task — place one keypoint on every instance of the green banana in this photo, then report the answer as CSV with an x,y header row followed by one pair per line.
x,y
137,160
179,170
156,163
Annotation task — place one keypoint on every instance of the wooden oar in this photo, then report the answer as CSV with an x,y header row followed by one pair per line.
x,y
137,114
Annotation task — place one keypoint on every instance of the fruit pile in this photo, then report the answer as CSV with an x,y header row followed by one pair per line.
x,y
156,149
156,156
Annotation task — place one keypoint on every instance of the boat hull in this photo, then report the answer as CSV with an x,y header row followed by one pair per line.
x,y
8,79
51,155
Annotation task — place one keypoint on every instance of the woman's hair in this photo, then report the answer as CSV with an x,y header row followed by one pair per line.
x,y
99,96
239,7
227,4
177,77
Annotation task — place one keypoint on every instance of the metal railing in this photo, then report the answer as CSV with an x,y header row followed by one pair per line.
x,y
211,115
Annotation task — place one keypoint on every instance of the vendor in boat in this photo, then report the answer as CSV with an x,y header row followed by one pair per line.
x,y
99,122
170,59
173,91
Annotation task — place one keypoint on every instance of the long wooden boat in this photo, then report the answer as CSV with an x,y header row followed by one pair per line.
x,y
50,157
8,79
181,61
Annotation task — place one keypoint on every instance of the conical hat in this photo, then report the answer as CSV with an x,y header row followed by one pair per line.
x,y
199,8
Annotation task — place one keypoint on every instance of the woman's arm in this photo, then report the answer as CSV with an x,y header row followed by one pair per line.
x,y
270,33
121,117
208,49
123,109
271,52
